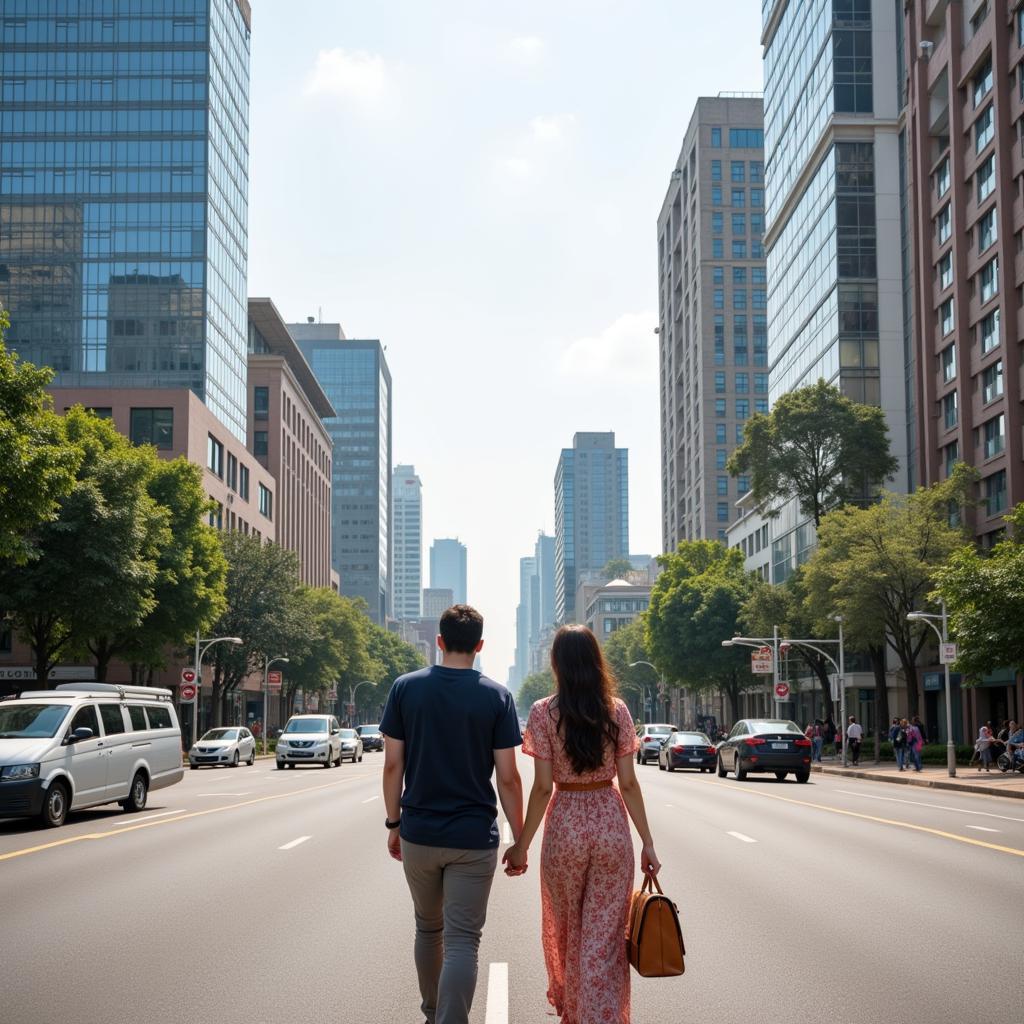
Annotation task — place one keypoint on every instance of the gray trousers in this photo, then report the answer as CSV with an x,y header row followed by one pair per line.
x,y
449,891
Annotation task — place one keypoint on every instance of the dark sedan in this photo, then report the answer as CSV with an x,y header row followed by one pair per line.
x,y
371,737
687,750
765,745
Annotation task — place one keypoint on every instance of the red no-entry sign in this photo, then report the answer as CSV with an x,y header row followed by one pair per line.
x,y
782,690
188,692
188,675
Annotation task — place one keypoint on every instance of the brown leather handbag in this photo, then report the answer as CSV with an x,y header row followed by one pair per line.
x,y
654,939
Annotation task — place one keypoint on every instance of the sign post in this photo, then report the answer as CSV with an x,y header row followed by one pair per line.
x,y
187,693
761,662
947,653
781,690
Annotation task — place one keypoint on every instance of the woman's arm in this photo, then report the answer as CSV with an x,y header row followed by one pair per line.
x,y
629,787
540,795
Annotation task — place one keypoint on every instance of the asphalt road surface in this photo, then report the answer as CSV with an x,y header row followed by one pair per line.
x,y
251,895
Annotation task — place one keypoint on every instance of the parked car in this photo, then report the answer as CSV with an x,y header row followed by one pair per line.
x,y
227,747
687,750
371,736
85,744
351,746
310,739
765,745
651,738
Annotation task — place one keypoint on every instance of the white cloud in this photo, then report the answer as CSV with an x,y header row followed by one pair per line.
x,y
527,157
361,79
551,127
525,50
625,351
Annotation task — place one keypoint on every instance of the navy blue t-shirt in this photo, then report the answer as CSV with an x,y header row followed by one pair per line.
x,y
451,721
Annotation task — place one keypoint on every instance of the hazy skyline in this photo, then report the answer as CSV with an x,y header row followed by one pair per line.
x,y
479,188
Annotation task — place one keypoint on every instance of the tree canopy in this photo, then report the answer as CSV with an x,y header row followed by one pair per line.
x,y
626,646
534,687
817,446
617,568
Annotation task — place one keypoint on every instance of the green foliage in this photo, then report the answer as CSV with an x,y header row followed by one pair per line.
x,y
533,688
985,600
617,568
695,605
38,459
625,646
815,445
389,656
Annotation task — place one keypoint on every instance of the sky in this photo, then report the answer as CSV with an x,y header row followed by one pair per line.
x,y
478,186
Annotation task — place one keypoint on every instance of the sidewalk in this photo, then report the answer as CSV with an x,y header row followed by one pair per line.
x,y
968,780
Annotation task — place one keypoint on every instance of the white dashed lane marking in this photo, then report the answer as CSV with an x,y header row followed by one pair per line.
x,y
981,828
497,994
922,803
741,837
506,834
294,843
371,799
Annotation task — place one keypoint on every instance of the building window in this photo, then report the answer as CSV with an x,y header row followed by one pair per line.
x,y
761,383
720,383
984,129
716,138
718,298
716,195
261,403
761,406
942,178
757,224
718,275
737,171
946,270
756,249
982,83
739,275
992,381
742,483
722,511
217,515
760,298
946,319
978,19
232,472
988,332
153,426
756,170
717,249
260,442
720,433
739,197
988,232
986,177
947,359
944,224
266,502
949,410
758,275
742,383
214,456
995,492
720,407
757,197
243,482
739,224
739,249
746,138
720,453
989,279
716,170
739,433
995,436
951,455
739,298
717,223
722,486
742,408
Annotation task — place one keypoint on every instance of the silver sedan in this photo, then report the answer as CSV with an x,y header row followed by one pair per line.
x,y
226,747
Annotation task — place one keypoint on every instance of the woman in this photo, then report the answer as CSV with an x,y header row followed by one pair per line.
x,y
914,743
984,748
580,738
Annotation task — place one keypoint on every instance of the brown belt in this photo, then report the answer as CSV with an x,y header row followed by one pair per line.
x,y
583,787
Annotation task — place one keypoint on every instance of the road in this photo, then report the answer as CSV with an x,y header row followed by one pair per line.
x,y
252,895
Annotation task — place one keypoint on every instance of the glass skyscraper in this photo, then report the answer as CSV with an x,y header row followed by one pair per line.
x,y
355,376
124,191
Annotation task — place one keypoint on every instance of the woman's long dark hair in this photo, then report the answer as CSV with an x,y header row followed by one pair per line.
x,y
585,688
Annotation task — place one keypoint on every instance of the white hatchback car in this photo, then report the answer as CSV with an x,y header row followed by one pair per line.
x,y
228,747
310,739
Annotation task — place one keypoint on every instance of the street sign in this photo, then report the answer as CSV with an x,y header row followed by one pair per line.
x,y
761,662
947,654
188,675
274,681
332,694
782,690
187,692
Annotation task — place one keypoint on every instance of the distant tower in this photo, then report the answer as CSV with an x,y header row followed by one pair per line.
x,y
448,567
406,543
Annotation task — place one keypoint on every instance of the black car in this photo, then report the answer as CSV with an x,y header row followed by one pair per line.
x,y
765,745
371,737
687,750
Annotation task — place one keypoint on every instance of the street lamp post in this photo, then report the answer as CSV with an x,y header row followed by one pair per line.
x,y
267,662
352,690
943,639
202,646
661,683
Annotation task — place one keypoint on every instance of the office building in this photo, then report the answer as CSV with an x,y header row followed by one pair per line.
x,y
610,606
356,380
406,544
591,513
527,616
287,409
436,601
835,249
712,319
448,567
124,194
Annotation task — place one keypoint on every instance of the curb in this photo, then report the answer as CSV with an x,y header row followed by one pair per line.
x,y
954,787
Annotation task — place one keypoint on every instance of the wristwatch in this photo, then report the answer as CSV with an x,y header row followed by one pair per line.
x,y
388,823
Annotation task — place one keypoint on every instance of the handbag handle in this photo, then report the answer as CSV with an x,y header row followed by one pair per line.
x,y
651,883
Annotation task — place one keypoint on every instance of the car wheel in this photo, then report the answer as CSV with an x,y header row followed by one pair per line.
x,y
329,761
235,759
193,767
802,774
280,766
137,795
780,776
360,758
661,767
669,766
721,768
639,760
55,806
738,770
252,757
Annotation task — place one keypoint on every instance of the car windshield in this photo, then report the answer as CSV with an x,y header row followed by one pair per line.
x,y
658,730
348,734
777,726
31,721
692,739
307,725
221,734
367,730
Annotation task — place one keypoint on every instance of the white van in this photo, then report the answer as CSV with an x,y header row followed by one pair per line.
x,y
84,744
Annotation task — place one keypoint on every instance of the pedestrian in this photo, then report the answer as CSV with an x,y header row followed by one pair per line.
x,y
580,739
854,734
984,748
898,739
916,721
915,741
814,733
829,732
447,728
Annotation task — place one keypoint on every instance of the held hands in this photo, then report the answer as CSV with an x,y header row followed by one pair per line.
x,y
514,861
394,844
649,863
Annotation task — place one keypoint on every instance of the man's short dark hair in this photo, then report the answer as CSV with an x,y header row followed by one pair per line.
x,y
461,628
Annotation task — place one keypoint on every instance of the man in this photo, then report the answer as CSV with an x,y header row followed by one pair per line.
x,y
854,734
446,730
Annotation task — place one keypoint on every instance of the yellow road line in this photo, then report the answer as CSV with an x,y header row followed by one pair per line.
x,y
171,821
881,821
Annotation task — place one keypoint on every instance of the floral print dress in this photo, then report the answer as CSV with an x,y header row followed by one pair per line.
x,y
586,878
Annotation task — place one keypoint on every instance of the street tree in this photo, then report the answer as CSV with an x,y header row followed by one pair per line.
x,y
533,688
875,565
984,597
815,445
389,656
94,566
617,568
626,646
38,459
695,605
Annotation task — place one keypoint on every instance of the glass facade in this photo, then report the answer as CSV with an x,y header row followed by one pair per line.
x,y
356,379
124,191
